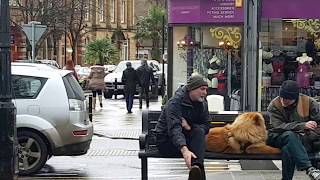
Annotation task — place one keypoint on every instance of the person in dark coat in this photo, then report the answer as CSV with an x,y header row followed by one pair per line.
x,y
293,115
130,79
145,74
183,124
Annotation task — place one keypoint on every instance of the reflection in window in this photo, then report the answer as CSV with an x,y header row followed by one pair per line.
x,y
86,9
27,87
112,10
101,10
123,10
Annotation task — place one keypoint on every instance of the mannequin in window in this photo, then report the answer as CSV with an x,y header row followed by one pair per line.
x,y
278,61
303,76
213,69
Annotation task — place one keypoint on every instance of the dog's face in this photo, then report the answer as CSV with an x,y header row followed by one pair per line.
x,y
249,127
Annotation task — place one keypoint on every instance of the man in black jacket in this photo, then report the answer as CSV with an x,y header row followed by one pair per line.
x,y
145,75
183,124
130,79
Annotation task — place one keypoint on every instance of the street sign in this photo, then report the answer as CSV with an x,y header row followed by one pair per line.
x,y
34,32
38,31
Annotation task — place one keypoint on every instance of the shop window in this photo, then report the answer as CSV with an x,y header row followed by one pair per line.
x,y
289,55
289,34
215,53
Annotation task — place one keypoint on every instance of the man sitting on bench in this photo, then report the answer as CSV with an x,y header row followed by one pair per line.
x,y
183,124
291,114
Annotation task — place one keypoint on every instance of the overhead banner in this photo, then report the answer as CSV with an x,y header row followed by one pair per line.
x,y
205,11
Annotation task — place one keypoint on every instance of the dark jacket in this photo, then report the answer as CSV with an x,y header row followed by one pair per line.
x,y
295,117
145,75
130,79
169,126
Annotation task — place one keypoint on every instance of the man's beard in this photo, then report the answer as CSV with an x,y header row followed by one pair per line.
x,y
201,99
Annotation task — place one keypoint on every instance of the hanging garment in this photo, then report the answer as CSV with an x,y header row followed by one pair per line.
x,y
277,76
303,75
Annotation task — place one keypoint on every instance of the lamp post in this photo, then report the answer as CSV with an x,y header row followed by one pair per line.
x,y
163,58
8,138
65,34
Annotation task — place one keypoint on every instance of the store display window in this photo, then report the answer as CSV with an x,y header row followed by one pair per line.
x,y
290,50
215,53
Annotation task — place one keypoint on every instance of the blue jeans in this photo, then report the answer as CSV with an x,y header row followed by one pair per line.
x,y
129,100
292,150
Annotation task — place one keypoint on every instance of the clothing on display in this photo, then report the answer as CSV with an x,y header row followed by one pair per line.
x,y
277,76
213,70
303,75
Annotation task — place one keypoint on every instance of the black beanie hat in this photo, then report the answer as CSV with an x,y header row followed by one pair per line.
x,y
289,90
196,81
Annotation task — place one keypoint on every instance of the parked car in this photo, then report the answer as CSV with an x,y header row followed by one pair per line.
x,y
110,68
49,62
114,86
52,115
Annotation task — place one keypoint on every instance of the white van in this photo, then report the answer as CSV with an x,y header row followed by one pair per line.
x,y
52,115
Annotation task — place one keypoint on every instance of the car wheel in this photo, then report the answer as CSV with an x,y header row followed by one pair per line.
x,y
32,152
108,94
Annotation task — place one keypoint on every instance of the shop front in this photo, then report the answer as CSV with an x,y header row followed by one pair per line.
x,y
290,47
206,38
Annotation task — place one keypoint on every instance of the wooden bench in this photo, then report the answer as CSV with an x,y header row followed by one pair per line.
x,y
148,147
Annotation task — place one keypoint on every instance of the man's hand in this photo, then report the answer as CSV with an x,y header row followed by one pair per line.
x,y
311,125
187,156
185,124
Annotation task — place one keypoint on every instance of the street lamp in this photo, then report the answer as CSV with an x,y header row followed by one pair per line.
x,y
8,137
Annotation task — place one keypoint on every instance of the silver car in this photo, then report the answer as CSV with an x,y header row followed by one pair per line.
x,y
52,115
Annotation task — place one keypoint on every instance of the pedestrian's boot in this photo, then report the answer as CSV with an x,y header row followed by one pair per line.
x,y
93,103
100,100
195,173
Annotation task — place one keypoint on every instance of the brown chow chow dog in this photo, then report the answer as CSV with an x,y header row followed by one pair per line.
x,y
246,134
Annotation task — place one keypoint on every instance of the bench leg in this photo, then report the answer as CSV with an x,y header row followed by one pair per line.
x,y
144,168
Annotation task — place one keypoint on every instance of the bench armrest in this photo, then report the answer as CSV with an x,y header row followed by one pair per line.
x,y
143,140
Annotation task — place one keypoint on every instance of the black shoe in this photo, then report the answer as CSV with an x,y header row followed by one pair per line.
x,y
101,105
313,173
129,112
195,173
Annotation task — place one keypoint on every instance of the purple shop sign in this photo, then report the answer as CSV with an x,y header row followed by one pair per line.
x,y
303,9
204,11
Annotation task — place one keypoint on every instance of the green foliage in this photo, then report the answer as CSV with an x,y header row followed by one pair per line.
x,y
101,51
150,28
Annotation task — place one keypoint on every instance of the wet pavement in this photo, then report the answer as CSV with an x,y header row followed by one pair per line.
x,y
114,149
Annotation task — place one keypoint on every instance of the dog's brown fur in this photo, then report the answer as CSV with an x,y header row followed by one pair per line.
x,y
246,134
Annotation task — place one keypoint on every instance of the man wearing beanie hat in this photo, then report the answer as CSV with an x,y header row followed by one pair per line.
x,y
290,114
183,124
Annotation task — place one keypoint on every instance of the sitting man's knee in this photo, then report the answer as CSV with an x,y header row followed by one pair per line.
x,y
290,135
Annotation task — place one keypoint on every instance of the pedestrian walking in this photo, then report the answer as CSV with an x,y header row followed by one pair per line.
x,y
130,80
183,124
293,117
145,74
70,66
96,83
